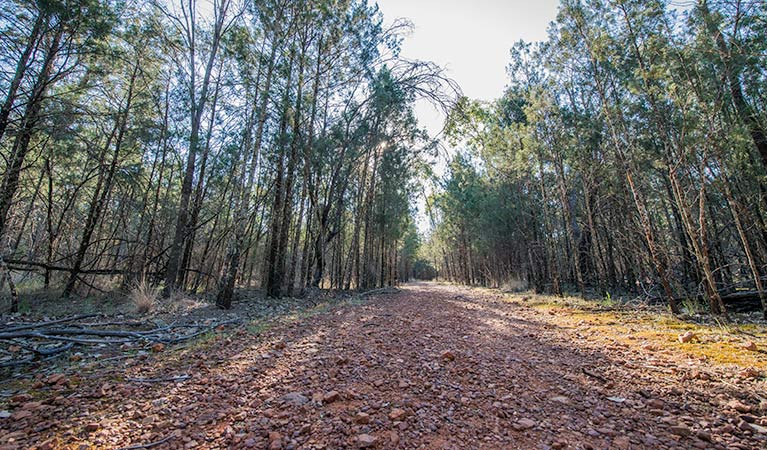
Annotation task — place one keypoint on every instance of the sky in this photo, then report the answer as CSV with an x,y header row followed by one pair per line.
x,y
470,38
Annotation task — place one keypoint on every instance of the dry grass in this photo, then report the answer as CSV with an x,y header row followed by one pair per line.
x,y
144,296
513,285
180,302
643,328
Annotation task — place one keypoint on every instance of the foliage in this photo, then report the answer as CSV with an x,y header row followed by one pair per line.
x,y
209,144
620,158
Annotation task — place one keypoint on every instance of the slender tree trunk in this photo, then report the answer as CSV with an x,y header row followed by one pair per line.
x,y
28,123
198,107
104,185
287,208
21,68
274,277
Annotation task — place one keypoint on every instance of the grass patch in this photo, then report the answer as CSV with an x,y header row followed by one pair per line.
x,y
654,329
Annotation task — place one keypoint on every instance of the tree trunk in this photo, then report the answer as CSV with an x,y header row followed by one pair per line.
x,y
28,123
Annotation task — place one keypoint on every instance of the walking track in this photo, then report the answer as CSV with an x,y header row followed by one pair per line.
x,y
434,367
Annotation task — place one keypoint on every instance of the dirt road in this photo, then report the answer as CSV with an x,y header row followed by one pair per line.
x,y
434,366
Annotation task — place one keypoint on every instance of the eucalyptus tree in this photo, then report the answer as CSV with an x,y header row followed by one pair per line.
x,y
184,20
65,31
630,141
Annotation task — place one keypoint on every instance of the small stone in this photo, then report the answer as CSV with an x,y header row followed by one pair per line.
x,y
749,372
295,398
366,440
49,444
680,430
687,337
56,378
396,414
621,442
524,424
447,355
21,414
703,435
739,406
330,397
362,418
751,346
91,427
32,406
21,398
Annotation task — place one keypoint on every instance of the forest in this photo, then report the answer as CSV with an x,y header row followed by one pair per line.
x,y
626,156
206,145
228,224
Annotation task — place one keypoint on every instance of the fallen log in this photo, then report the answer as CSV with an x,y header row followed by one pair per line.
x,y
740,301
743,301
54,350
20,265
31,326
47,339
48,334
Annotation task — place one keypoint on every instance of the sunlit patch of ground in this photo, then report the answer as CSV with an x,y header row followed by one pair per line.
x,y
651,330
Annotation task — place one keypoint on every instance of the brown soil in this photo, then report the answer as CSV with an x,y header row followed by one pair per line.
x,y
433,367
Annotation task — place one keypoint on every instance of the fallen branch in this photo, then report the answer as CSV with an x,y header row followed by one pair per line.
x,y
128,323
45,324
198,333
593,375
37,335
18,362
54,350
27,266
40,339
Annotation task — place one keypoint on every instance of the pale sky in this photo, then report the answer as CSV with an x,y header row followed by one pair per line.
x,y
471,38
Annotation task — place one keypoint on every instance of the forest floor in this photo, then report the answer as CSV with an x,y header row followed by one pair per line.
x,y
434,366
